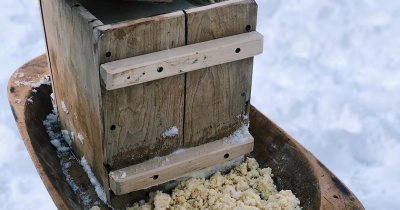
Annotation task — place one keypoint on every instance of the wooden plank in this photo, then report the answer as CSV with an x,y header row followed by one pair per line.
x,y
314,184
217,98
153,66
135,117
74,66
169,167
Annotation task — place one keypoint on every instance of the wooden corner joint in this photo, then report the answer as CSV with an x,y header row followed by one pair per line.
x,y
157,65
178,164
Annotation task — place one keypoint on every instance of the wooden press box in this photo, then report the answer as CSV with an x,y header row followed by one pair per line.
x,y
124,73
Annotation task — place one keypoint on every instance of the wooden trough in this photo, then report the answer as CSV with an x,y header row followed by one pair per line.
x,y
293,166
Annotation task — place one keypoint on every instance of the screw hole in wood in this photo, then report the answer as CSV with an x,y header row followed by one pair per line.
x,y
155,177
112,127
237,50
108,54
243,94
226,155
128,78
160,69
77,5
248,28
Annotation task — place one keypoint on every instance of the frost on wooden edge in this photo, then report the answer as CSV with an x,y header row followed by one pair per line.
x,y
170,132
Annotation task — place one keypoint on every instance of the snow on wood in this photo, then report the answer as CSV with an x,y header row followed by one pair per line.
x,y
64,107
160,170
43,81
172,131
98,188
80,137
30,100
239,136
66,136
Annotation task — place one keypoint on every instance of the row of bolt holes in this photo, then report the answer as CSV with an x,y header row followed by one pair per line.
x,y
155,177
160,69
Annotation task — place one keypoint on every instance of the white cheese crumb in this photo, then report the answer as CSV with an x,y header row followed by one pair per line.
x,y
172,131
80,137
64,107
99,190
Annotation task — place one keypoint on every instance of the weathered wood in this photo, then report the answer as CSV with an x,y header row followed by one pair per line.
x,y
136,116
173,166
314,184
217,98
75,75
112,129
166,63
29,118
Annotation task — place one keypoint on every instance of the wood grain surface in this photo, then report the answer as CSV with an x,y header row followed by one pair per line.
x,y
75,77
218,97
136,116
293,166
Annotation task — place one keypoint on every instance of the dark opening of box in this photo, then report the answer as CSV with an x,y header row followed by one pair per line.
x,y
114,11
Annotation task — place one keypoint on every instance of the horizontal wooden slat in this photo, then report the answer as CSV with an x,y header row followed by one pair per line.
x,y
166,168
153,66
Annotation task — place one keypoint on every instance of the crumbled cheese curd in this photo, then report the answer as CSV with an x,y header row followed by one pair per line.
x,y
245,187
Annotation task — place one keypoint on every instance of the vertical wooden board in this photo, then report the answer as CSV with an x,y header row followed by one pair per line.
x,y
75,78
218,97
135,117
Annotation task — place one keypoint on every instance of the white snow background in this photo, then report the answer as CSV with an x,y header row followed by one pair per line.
x,y
329,75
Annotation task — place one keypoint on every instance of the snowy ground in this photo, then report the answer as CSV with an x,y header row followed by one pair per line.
x,y
329,75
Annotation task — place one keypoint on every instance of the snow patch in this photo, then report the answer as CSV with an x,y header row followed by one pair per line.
x,y
178,151
65,134
18,100
43,81
237,136
64,107
172,131
80,137
99,190
165,161
122,174
19,75
30,100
